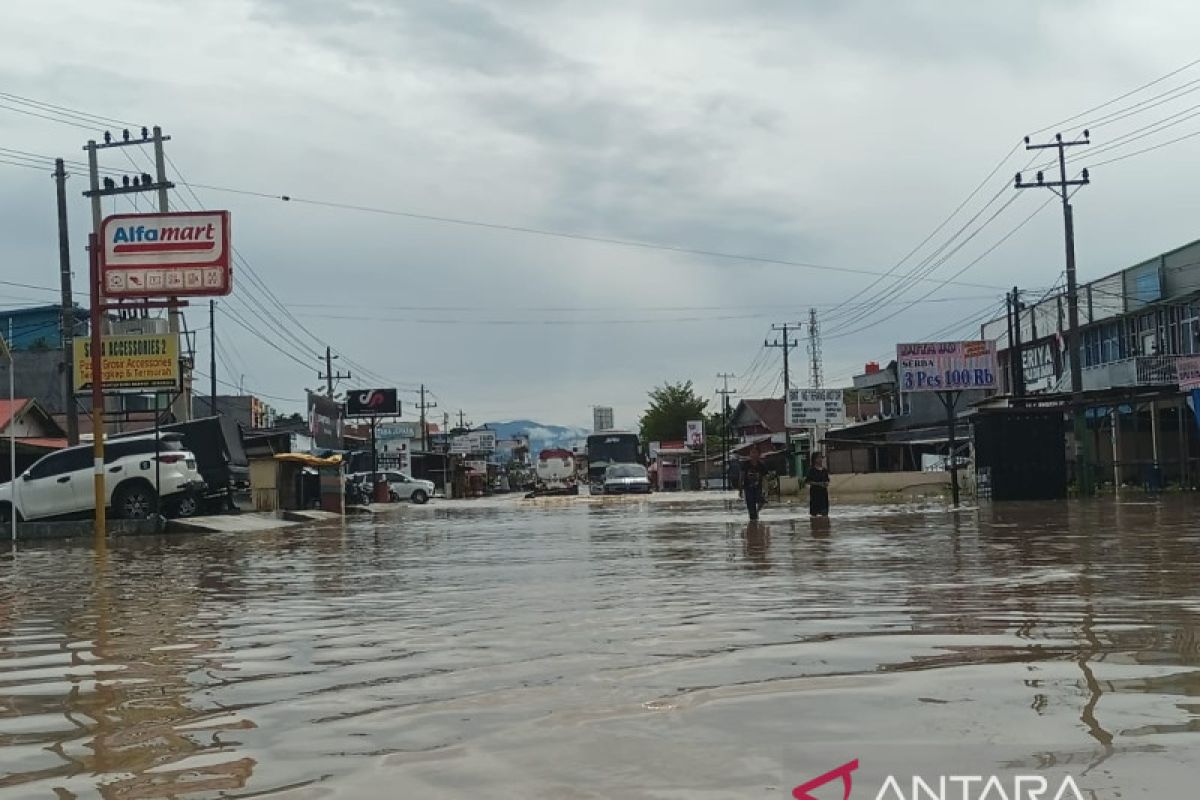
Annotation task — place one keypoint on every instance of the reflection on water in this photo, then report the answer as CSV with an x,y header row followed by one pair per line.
x,y
593,647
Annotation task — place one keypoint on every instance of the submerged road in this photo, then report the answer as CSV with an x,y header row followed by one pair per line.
x,y
605,648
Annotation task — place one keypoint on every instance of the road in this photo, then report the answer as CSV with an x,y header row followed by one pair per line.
x,y
605,648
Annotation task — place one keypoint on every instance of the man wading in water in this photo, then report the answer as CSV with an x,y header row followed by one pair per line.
x,y
753,475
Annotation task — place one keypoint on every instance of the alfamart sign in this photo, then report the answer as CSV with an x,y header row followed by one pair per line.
x,y
166,255
947,366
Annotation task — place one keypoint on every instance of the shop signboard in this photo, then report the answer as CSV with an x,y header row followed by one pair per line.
x,y
130,363
177,254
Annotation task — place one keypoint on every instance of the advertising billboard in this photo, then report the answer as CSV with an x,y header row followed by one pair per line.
x,y
372,403
947,366
325,422
133,363
808,408
177,254
474,442
695,434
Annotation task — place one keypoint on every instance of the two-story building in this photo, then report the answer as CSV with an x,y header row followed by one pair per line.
x,y
1134,326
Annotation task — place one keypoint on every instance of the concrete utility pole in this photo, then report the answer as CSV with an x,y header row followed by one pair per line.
x,y
212,358
1061,187
330,376
462,423
68,306
1019,370
787,345
814,350
181,407
424,428
725,392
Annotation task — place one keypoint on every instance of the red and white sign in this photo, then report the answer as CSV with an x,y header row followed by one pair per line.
x,y
166,255
1189,373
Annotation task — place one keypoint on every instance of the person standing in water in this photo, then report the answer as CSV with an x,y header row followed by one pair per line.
x,y
818,487
753,475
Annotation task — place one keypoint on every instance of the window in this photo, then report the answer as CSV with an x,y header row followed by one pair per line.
x,y
62,462
1189,329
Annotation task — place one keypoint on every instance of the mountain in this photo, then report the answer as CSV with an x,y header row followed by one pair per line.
x,y
541,436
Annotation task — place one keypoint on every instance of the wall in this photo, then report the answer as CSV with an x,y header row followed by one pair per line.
x,y
1181,270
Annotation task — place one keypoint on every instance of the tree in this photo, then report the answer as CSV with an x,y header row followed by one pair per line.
x,y
671,406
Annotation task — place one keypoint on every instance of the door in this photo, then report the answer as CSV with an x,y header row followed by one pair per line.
x,y
51,486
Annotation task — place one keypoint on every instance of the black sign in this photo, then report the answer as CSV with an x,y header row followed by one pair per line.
x,y
372,403
324,422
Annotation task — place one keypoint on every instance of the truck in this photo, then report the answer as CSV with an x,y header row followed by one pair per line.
x,y
556,472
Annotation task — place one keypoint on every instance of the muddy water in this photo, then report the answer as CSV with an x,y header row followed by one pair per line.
x,y
592,648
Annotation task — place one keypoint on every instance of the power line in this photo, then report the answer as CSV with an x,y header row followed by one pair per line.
x,y
1119,98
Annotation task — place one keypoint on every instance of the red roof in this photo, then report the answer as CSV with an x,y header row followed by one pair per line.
x,y
9,409
47,443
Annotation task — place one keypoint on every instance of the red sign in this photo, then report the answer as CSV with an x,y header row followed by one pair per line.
x,y
180,254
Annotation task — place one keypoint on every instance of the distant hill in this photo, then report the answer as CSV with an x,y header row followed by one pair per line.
x,y
541,436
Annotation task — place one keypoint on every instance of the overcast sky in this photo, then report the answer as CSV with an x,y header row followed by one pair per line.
x,y
838,134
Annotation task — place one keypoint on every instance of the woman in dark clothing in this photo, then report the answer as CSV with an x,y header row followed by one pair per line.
x,y
818,487
753,474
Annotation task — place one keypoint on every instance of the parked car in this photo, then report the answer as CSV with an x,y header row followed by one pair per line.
x,y
60,484
626,479
404,487
400,486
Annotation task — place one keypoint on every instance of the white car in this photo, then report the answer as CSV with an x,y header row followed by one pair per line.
x,y
61,483
401,486
626,479
404,487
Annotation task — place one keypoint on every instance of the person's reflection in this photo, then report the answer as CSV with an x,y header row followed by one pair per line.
x,y
757,537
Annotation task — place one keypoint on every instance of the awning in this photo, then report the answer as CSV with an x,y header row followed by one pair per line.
x,y
309,460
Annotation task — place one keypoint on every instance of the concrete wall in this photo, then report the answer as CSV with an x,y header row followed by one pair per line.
x,y
1181,270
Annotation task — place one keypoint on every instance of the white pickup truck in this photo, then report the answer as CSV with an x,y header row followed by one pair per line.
x,y
61,483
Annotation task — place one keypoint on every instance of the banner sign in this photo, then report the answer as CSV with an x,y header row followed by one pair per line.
x,y
947,366
695,434
372,403
474,442
133,363
178,254
808,408
1188,369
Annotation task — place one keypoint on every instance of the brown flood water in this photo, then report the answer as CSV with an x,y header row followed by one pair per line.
x,y
599,648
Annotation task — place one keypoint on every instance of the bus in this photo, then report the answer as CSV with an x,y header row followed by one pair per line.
x,y
606,448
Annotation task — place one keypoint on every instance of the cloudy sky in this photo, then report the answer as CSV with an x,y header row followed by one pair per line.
x,y
831,134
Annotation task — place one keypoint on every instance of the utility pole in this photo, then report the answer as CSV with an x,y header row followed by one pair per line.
x,y
787,345
181,408
212,358
424,428
725,392
1019,371
68,306
462,419
1061,187
814,350
330,376
1012,351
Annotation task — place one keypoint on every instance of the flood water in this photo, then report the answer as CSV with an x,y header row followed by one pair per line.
x,y
601,648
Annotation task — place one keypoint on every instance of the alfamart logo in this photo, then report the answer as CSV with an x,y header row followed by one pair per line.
x,y
947,787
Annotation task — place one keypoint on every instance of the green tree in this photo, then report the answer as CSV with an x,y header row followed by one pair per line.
x,y
671,406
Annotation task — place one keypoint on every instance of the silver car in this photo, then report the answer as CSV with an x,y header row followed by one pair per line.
x,y
626,479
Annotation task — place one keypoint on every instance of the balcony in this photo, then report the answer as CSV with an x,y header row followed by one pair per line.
x,y
1137,371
